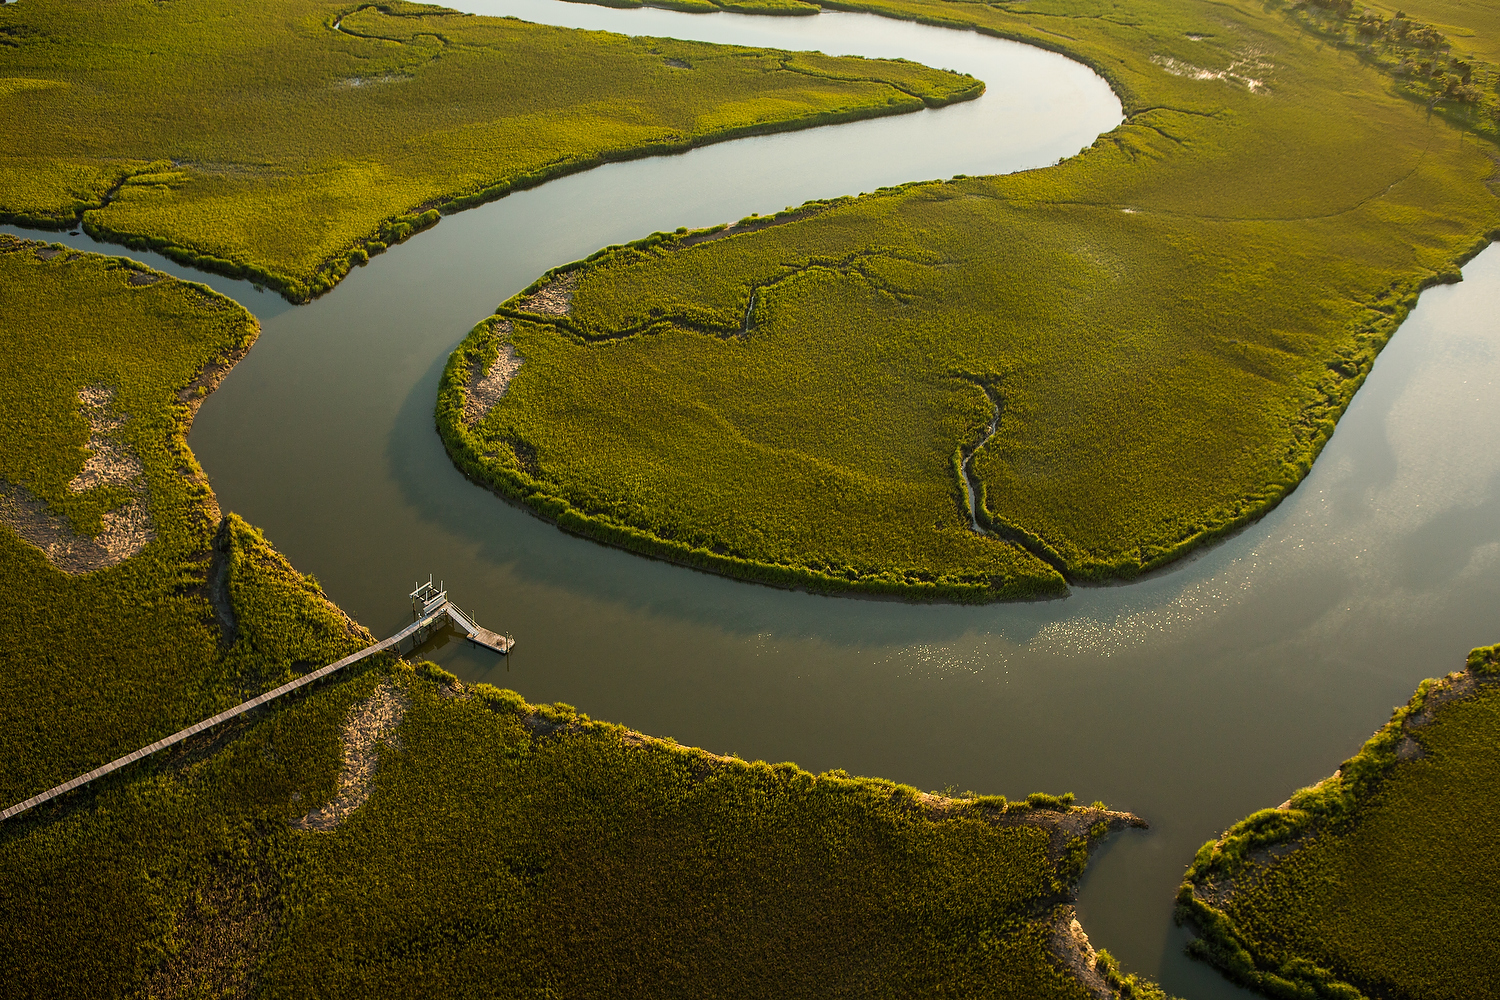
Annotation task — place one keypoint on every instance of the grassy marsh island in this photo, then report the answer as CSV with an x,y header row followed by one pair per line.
x,y
1379,881
391,831
131,608
398,833
286,142
1124,355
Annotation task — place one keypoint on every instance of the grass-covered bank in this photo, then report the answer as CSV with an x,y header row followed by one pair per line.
x,y
539,852
821,554
1169,325
519,850
285,142
1379,881
390,832
129,607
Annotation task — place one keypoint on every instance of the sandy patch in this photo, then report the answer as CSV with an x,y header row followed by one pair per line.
x,y
366,81
126,532
110,462
371,722
1238,71
485,389
555,298
1071,946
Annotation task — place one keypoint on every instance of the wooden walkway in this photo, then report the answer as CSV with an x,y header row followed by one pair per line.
x,y
428,617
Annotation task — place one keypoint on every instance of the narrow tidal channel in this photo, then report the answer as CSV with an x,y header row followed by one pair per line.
x,y
1191,698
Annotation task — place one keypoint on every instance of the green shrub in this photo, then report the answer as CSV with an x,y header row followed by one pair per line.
x,y
1058,803
436,674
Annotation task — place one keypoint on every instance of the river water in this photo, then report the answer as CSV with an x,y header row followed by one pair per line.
x,y
1191,698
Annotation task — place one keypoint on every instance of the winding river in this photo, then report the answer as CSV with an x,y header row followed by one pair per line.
x,y
1191,698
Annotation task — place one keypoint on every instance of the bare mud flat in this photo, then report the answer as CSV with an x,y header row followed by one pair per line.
x,y
486,388
110,462
371,724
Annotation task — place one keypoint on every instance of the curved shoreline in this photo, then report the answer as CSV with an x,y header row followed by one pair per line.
x,y
1246,522
1074,832
1324,399
400,227
517,487
452,427
1265,838
775,575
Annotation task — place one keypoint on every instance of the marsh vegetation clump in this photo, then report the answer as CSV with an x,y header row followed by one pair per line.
x,y
1379,880
132,606
285,143
1173,320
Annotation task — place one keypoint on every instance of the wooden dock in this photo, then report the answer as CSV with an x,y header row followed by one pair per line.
x,y
429,612
479,635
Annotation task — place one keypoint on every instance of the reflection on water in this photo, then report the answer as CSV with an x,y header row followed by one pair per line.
x,y
1192,698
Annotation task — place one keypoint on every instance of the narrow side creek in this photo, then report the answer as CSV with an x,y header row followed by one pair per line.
x,y
972,490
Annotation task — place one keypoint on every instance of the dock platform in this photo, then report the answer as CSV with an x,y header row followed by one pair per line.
x,y
476,633
492,640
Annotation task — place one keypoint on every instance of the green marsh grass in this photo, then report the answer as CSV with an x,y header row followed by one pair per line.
x,y
286,142
1379,881
1171,322
518,850
534,850
507,849
97,664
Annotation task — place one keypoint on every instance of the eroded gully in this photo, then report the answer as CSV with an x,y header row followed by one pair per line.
x,y
1191,698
